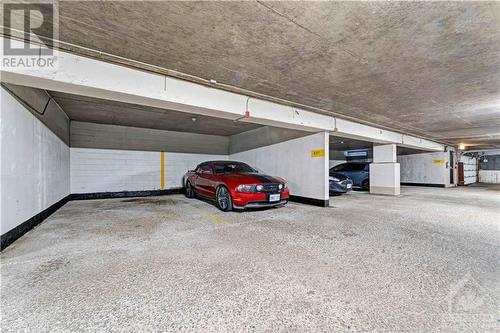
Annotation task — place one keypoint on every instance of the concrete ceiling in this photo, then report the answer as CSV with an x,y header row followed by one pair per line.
x,y
426,68
340,145
93,110
343,144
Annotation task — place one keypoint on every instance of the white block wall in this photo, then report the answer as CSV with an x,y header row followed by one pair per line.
x,y
423,169
306,176
108,170
177,164
489,176
35,165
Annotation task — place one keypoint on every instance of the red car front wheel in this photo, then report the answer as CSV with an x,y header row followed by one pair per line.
x,y
224,201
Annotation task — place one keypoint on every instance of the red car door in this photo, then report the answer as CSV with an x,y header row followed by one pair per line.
x,y
205,184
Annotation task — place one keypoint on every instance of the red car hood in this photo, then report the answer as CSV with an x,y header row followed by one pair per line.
x,y
252,178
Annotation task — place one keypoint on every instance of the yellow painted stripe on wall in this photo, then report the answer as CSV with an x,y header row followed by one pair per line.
x,y
162,170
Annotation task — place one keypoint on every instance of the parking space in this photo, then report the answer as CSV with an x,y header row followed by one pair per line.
x,y
170,263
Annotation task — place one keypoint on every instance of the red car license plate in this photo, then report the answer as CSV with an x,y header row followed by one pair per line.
x,y
274,197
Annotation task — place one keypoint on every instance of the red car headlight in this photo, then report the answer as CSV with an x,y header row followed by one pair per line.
x,y
245,188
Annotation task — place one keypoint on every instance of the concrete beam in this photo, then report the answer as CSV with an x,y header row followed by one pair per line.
x,y
94,78
40,104
260,137
409,141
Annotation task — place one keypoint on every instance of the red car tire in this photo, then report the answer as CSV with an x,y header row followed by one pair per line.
x,y
189,191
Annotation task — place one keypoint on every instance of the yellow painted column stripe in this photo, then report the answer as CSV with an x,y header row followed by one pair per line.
x,y
162,170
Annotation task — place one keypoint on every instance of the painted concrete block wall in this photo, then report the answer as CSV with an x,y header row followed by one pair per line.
x,y
306,176
426,168
111,170
489,176
35,165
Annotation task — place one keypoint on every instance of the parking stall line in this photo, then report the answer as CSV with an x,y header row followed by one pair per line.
x,y
217,220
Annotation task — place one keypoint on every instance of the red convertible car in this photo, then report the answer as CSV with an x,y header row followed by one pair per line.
x,y
235,185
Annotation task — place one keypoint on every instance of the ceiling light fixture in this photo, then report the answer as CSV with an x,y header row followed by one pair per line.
x,y
461,146
193,119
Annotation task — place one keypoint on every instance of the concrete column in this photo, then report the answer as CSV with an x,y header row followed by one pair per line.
x,y
384,171
303,162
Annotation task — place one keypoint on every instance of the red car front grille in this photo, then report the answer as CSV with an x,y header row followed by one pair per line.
x,y
270,188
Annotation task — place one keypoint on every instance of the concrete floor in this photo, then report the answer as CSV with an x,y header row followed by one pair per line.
x,y
425,261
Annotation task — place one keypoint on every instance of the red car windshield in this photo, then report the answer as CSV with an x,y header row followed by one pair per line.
x,y
232,167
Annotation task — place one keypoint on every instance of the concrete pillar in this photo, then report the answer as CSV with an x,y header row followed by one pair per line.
x,y
384,171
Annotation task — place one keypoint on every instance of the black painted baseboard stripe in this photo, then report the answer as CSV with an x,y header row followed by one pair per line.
x,y
420,184
310,201
122,194
12,235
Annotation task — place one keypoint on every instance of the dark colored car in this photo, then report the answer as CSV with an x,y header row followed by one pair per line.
x,y
235,185
359,172
339,183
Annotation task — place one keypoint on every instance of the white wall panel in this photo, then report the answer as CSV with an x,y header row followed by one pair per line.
x,y
34,165
489,176
177,164
306,176
109,170
105,170
426,168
